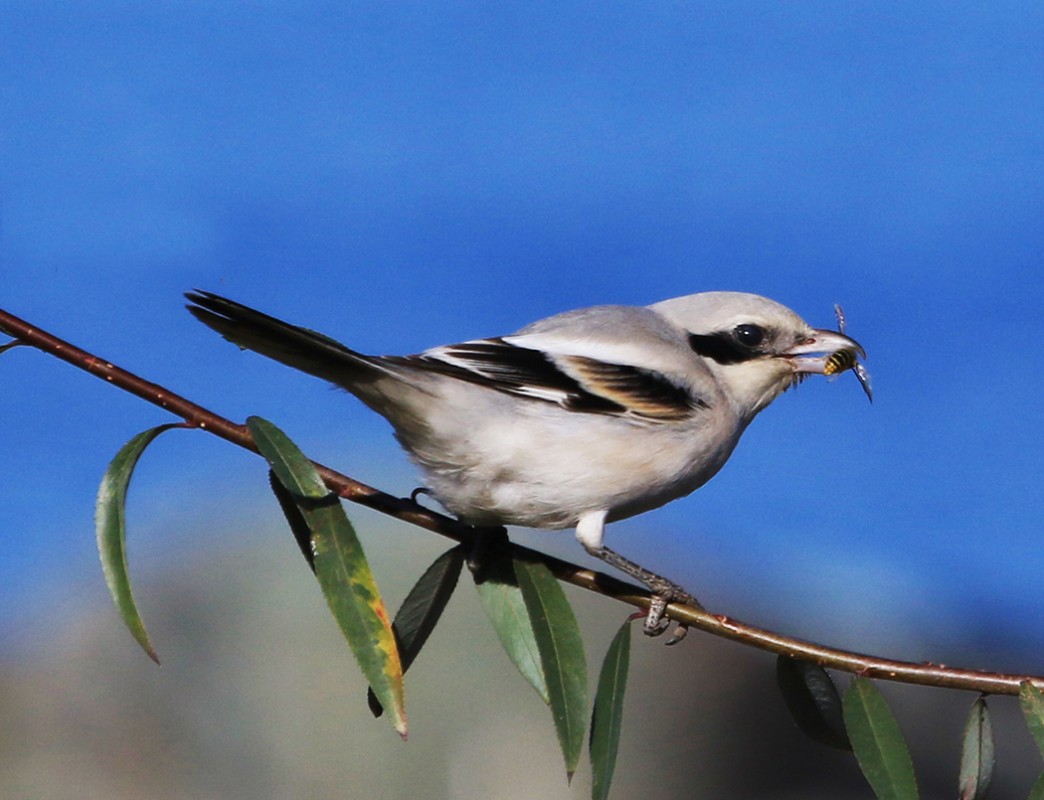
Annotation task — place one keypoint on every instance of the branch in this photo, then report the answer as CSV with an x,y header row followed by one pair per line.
x,y
404,509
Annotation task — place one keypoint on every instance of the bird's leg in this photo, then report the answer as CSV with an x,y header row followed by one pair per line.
x,y
664,591
590,530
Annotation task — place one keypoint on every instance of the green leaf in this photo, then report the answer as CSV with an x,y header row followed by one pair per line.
x,y
607,718
561,655
110,526
504,605
1032,702
421,610
1037,792
977,754
812,700
294,518
878,743
340,567
293,468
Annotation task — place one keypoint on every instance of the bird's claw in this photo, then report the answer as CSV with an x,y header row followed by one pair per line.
x,y
655,622
663,592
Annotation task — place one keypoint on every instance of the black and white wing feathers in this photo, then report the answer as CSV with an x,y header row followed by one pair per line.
x,y
546,363
576,382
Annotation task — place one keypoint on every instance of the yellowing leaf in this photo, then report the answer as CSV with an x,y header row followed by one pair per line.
x,y
341,568
422,609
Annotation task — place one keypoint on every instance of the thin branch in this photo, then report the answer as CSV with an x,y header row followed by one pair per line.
x,y
409,511
197,416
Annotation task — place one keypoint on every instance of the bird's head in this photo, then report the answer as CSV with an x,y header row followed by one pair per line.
x,y
758,348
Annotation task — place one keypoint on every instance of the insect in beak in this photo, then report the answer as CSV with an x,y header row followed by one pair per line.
x,y
843,360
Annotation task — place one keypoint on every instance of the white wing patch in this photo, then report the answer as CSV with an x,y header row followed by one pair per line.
x,y
578,383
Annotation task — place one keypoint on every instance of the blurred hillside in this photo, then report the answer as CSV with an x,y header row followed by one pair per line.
x,y
258,698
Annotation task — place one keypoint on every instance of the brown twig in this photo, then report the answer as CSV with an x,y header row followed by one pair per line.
x,y
409,511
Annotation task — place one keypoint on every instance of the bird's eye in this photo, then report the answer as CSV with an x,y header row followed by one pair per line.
x,y
749,335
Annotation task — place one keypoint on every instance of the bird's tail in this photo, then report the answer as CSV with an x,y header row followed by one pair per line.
x,y
296,347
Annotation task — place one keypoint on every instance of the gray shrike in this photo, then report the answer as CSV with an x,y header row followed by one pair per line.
x,y
579,419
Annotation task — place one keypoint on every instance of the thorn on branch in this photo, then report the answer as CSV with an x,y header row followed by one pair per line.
x,y
420,490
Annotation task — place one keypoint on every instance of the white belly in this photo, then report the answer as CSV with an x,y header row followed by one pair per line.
x,y
543,470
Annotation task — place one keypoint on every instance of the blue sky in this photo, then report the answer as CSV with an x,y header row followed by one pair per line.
x,y
401,176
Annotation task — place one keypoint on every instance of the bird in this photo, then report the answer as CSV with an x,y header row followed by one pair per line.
x,y
577,420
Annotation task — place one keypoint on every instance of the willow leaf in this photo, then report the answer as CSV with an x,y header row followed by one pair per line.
x,y
1032,701
341,568
813,701
110,525
878,743
503,603
607,718
422,609
294,518
561,655
977,753
1037,792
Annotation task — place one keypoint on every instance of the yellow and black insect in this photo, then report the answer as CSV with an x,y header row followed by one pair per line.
x,y
842,360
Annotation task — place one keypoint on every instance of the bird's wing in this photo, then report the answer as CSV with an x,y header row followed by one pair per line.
x,y
575,382
606,360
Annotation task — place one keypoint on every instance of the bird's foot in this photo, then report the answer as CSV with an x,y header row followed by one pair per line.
x,y
665,592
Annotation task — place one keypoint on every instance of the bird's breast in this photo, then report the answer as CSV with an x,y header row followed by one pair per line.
x,y
545,470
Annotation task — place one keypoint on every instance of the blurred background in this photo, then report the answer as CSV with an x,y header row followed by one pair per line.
x,y
405,175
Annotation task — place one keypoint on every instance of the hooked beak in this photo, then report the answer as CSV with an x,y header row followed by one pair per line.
x,y
817,355
811,355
